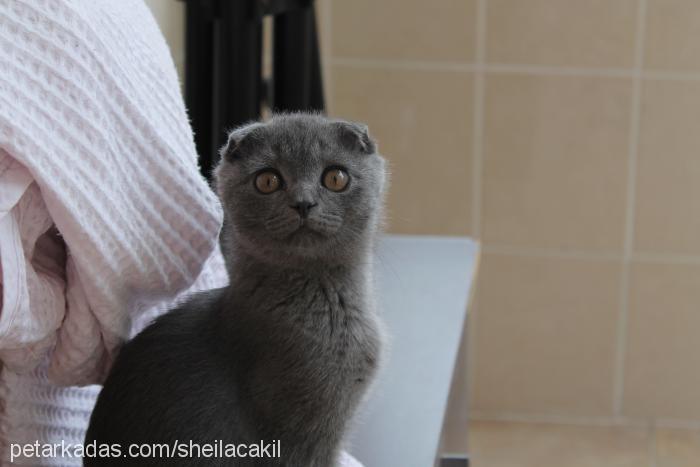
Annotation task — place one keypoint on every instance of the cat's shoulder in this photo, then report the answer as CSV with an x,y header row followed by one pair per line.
x,y
184,327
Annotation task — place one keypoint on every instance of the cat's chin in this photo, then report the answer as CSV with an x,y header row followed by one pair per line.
x,y
305,239
305,233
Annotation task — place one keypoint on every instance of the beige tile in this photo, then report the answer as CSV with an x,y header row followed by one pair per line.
x,y
457,416
663,348
423,122
555,161
581,33
546,334
515,444
458,405
171,20
455,439
668,169
442,30
673,27
677,447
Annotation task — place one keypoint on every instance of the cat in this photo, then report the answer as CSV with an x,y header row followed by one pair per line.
x,y
286,351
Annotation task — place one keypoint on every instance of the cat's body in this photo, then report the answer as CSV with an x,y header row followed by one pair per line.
x,y
286,351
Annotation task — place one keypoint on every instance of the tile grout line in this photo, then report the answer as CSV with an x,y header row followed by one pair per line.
x,y
477,164
515,68
634,134
479,96
551,253
582,420
592,255
403,64
659,75
665,258
591,421
422,65
555,70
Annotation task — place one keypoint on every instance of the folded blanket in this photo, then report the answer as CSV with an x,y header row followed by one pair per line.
x,y
103,212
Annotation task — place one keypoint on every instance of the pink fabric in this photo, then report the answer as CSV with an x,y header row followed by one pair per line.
x,y
32,259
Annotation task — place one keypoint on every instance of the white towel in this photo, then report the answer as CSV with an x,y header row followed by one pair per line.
x,y
35,410
94,139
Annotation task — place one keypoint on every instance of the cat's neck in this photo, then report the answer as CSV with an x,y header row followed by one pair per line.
x,y
246,264
248,272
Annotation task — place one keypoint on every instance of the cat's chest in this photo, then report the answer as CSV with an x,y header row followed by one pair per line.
x,y
310,302
327,322
316,347
321,319
313,324
330,363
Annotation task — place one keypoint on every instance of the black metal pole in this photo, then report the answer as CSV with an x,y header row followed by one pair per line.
x,y
297,70
223,69
199,29
237,87
317,101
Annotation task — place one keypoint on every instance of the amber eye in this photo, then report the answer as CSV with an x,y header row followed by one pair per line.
x,y
336,179
267,182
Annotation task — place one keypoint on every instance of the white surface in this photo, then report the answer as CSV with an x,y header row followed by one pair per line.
x,y
424,284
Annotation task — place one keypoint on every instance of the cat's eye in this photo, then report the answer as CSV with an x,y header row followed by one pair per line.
x,y
336,179
268,182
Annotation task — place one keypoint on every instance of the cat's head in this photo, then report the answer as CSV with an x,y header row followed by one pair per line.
x,y
300,186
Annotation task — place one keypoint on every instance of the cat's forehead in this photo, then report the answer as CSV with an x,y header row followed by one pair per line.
x,y
295,136
301,144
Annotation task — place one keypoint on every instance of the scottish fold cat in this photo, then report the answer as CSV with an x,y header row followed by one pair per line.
x,y
288,349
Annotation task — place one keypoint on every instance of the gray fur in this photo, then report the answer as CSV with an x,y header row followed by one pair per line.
x,y
287,350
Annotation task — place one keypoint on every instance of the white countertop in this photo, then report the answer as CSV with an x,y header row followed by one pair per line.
x,y
424,285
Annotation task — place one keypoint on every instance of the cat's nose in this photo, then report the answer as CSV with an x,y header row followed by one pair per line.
x,y
303,208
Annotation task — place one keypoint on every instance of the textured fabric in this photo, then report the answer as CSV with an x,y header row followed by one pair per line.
x,y
94,139
37,410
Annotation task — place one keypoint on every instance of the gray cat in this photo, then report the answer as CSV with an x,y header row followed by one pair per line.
x,y
287,350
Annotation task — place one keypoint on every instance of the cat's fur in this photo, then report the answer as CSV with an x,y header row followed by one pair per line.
x,y
287,350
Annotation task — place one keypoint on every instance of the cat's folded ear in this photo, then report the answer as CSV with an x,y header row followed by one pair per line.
x,y
236,138
355,136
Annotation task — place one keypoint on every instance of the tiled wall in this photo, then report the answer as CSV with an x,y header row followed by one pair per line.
x,y
565,134
170,15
